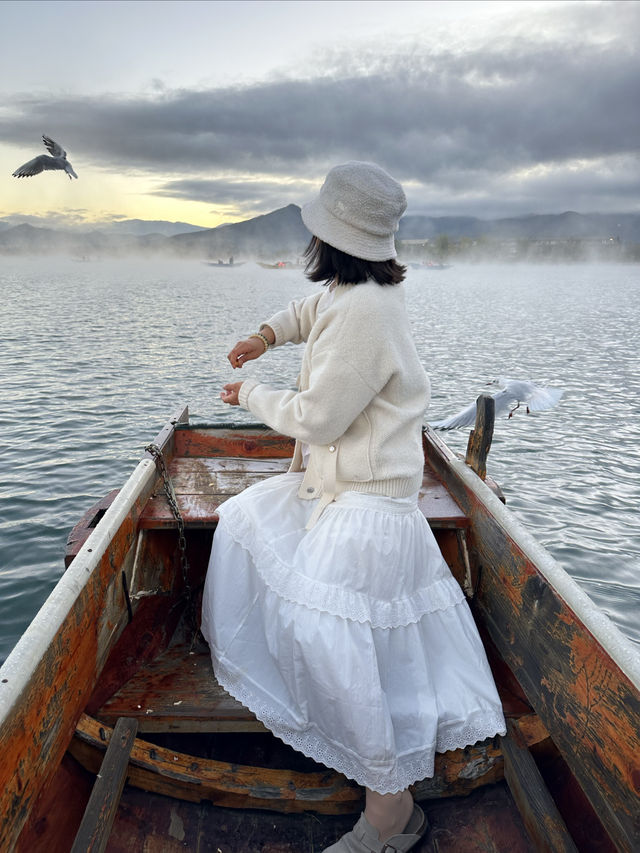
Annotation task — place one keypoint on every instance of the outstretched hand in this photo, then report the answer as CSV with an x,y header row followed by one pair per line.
x,y
230,392
252,347
245,351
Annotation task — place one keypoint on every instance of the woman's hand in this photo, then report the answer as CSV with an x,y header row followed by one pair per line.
x,y
251,348
230,392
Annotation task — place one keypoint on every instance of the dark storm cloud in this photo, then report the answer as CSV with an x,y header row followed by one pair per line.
x,y
241,195
463,126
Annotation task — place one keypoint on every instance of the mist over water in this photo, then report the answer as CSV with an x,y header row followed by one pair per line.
x,y
95,357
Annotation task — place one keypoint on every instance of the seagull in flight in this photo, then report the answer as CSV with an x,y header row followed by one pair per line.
x,y
513,393
57,160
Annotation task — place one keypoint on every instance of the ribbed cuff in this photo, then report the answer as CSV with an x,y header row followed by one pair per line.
x,y
277,330
269,326
245,389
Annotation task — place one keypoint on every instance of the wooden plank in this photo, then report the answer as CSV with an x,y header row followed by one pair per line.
x,y
486,821
188,777
197,511
177,692
253,442
586,700
204,482
437,505
87,524
191,464
481,435
536,805
93,834
201,485
237,785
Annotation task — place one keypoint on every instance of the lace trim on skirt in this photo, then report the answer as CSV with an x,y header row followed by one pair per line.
x,y
407,769
442,591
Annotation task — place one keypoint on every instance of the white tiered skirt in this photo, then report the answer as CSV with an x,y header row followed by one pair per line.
x,y
352,642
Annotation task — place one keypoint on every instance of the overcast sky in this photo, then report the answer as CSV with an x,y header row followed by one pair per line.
x,y
209,112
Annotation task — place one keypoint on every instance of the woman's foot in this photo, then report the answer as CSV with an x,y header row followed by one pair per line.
x,y
388,814
364,838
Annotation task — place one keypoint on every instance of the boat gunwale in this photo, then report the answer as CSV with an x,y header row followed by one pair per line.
x,y
18,670
619,648
19,667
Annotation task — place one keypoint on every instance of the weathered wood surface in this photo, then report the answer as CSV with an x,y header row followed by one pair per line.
x,y
86,526
484,822
93,834
536,805
177,692
252,442
47,679
589,703
184,776
57,811
481,435
234,785
201,484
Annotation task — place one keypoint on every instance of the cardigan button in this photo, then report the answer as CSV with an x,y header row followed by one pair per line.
x,y
310,489
332,448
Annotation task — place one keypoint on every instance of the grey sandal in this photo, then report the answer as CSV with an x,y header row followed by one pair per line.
x,y
363,838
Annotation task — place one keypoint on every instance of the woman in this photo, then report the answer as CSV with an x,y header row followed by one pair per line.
x,y
328,607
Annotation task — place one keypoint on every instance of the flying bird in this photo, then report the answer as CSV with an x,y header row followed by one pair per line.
x,y
57,160
514,393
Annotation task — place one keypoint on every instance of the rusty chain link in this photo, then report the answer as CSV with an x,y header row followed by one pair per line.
x,y
172,500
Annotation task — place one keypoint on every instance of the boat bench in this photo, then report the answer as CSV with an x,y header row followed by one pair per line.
x,y
202,484
177,692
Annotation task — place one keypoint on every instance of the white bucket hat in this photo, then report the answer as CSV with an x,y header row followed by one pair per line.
x,y
357,211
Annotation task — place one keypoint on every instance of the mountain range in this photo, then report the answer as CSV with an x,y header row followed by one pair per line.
x,y
282,234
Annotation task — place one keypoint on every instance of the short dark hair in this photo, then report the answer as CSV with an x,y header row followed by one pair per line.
x,y
326,264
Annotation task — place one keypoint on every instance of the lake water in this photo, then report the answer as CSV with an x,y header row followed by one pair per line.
x,y
95,357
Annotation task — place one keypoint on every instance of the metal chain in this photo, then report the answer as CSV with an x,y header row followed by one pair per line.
x,y
169,491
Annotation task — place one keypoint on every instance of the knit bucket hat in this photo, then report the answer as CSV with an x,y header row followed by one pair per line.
x,y
357,211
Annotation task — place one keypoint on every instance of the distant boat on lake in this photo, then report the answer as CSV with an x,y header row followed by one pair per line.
x,y
430,265
220,263
281,265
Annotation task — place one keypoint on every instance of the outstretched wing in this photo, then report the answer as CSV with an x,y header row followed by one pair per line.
x,y
465,417
55,149
504,400
35,166
544,398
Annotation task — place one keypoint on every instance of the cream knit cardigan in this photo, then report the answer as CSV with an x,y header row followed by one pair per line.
x,y
362,393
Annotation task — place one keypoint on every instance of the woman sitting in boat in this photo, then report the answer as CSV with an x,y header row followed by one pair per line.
x,y
329,609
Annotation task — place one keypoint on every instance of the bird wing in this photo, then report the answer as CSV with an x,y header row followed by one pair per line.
x,y
505,400
55,149
35,166
465,417
544,398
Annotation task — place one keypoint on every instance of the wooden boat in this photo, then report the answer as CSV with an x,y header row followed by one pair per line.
x,y
114,734
220,263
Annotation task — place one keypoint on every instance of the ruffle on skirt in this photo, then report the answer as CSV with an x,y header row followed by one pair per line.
x,y
351,642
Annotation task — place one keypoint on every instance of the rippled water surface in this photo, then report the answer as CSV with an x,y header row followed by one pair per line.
x,y
94,358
